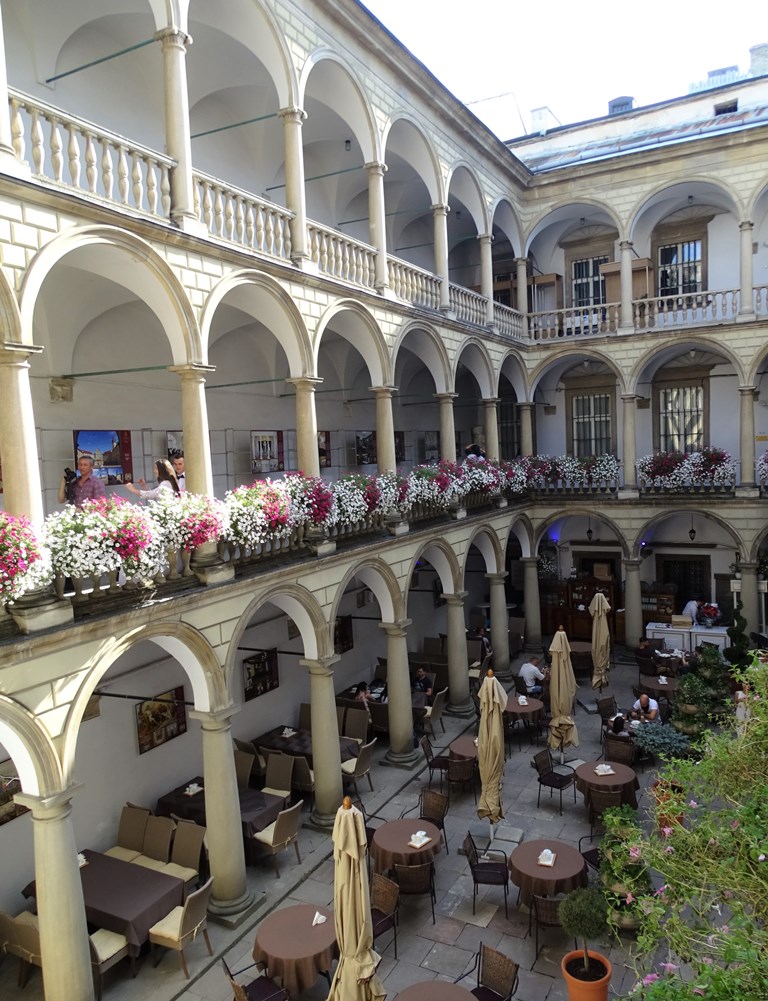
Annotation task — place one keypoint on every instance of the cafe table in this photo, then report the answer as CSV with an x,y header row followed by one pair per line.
x,y
568,872
435,990
464,746
389,845
299,744
257,809
623,780
293,949
655,688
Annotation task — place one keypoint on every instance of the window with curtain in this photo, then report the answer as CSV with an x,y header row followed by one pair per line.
x,y
681,418
591,424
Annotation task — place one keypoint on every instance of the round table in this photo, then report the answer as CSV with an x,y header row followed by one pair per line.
x,y
652,684
568,872
532,709
435,990
464,746
390,843
624,780
293,949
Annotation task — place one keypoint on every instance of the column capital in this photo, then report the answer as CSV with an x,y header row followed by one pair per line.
x,y
174,36
520,261
305,382
383,391
440,208
749,565
485,237
55,805
626,245
497,577
397,629
457,598
526,405
628,397
445,397
214,719
376,167
321,667
490,401
529,560
746,226
292,114
631,564
747,390
13,351
194,370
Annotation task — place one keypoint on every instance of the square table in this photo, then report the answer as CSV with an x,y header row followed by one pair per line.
x,y
300,744
257,809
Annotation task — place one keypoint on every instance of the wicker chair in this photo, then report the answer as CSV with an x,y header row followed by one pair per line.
x,y
385,903
592,855
496,975
417,880
435,762
607,709
487,871
620,749
432,806
553,780
461,771
545,913
598,801
263,988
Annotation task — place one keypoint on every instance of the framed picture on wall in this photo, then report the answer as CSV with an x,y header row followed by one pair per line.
x,y
174,442
431,446
260,674
160,719
365,448
324,448
267,454
110,452
343,636
293,630
399,446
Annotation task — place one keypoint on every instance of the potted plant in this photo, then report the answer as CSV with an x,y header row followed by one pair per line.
x,y
584,915
24,564
623,871
692,697
661,741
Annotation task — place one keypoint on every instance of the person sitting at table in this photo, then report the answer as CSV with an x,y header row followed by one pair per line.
x,y
531,675
643,648
645,708
421,683
617,728
362,694
485,643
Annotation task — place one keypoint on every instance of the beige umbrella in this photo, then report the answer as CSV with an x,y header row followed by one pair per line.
x,y
355,977
601,640
490,747
562,692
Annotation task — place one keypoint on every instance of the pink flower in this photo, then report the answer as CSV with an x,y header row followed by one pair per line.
x,y
693,804
630,897
669,850
669,967
634,852
666,831
761,858
735,825
650,978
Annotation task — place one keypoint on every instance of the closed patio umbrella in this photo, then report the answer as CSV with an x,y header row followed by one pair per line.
x,y
490,747
562,692
355,977
601,640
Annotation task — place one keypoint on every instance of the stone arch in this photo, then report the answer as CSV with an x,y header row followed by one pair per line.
x,y
10,315
31,749
708,514
379,577
426,163
522,529
502,213
372,348
563,211
677,347
277,311
578,352
513,368
715,184
358,114
470,191
582,511
431,349
179,640
473,354
154,283
444,561
489,546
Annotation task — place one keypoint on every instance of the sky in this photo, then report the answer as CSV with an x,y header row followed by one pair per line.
x,y
573,58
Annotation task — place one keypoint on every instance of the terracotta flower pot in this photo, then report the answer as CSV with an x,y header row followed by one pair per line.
x,y
586,990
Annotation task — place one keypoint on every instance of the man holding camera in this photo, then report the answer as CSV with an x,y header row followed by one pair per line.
x,y
86,486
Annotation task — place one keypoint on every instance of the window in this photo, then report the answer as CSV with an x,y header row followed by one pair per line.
x,y
590,424
508,417
680,268
587,284
680,418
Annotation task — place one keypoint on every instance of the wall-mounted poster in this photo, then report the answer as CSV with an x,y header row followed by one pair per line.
x,y
260,673
365,448
160,719
110,451
174,442
324,448
399,446
343,636
431,446
267,454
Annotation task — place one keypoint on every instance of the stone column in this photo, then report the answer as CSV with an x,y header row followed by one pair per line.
x,y
459,702
377,223
21,469
60,909
385,429
633,604
177,132
521,263
746,279
400,710
230,893
526,427
447,427
626,319
307,456
531,601
749,597
499,625
491,429
629,438
747,436
295,194
9,164
486,274
440,220
326,756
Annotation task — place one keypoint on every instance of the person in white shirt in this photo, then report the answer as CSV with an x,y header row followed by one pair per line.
x,y
645,708
531,675
692,609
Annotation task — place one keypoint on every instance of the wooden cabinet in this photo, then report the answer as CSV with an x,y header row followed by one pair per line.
x,y
643,285
581,591
657,607
553,596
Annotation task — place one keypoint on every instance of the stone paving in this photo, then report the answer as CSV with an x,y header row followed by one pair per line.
x,y
444,950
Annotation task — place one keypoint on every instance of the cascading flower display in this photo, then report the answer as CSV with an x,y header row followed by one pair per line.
x,y
24,563
678,471
259,512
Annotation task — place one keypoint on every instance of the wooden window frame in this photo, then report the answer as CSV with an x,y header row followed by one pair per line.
x,y
667,234
590,386
687,378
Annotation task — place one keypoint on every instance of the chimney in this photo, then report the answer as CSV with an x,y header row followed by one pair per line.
x,y
758,59
619,105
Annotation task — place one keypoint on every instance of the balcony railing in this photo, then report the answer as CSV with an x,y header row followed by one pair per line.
x,y
341,257
575,322
468,306
509,322
74,153
688,310
412,284
240,217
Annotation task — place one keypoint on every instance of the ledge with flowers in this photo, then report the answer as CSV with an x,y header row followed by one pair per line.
x,y
712,470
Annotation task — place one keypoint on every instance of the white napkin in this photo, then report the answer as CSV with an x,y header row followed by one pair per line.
x,y
318,919
662,679
418,838
81,859
545,857
522,700
288,732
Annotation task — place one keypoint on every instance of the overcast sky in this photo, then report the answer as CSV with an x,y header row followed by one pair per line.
x,y
571,57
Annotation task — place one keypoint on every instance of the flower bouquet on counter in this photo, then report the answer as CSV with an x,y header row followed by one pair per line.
x,y
708,615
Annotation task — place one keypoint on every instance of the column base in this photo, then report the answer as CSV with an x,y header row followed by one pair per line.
x,y
465,710
625,328
504,673
448,312
457,513
746,317
233,912
398,527
49,614
628,493
401,759
305,263
748,490
214,573
189,224
322,821
11,167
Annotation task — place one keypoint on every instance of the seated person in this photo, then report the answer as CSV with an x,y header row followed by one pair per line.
x,y
645,708
617,729
643,648
531,675
362,694
485,643
422,683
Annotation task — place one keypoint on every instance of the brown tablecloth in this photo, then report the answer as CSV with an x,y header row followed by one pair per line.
x,y
624,780
532,710
257,809
292,949
300,744
390,843
568,872
435,990
653,685
464,746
